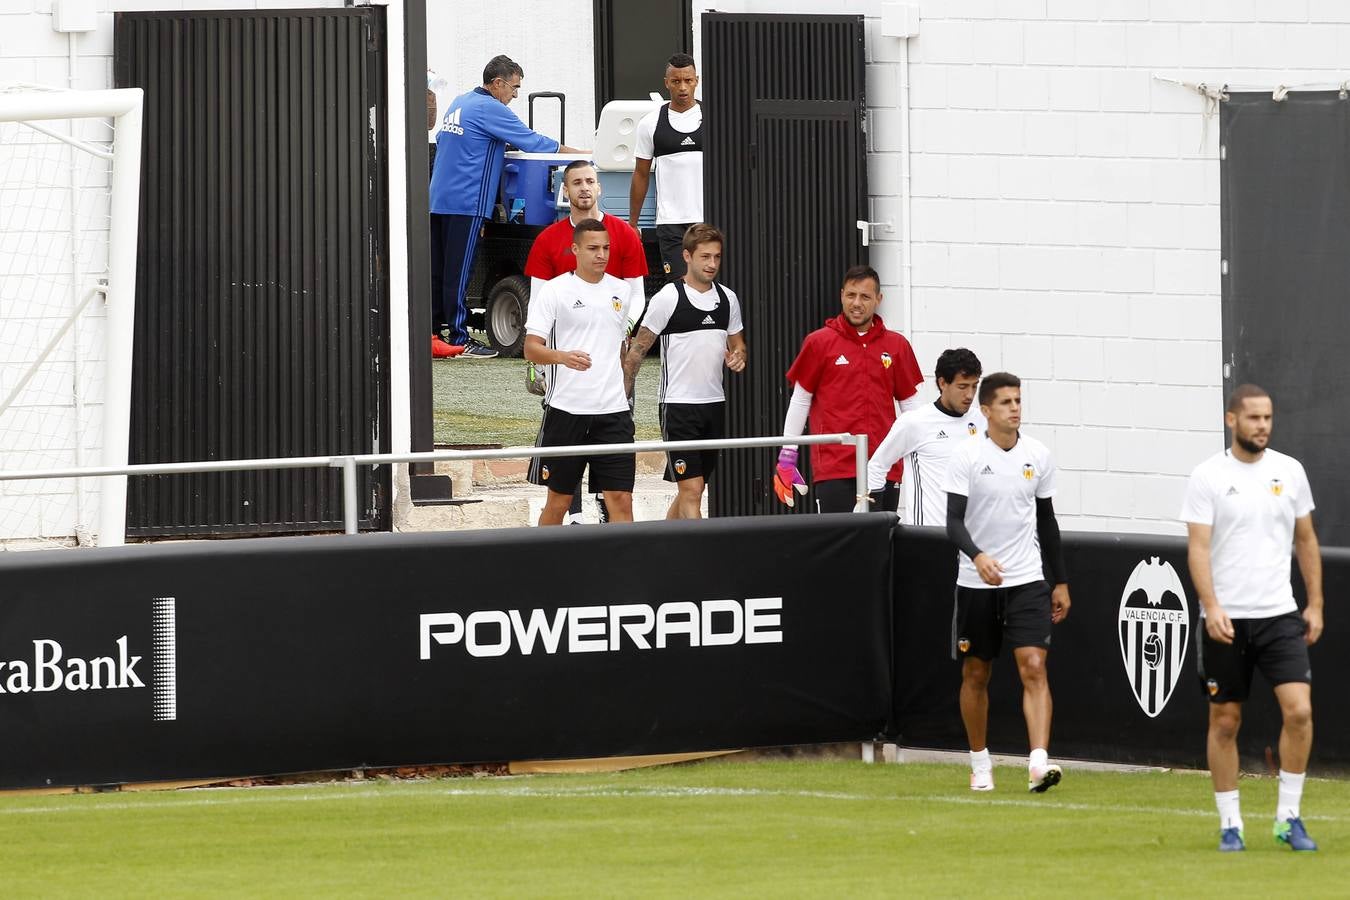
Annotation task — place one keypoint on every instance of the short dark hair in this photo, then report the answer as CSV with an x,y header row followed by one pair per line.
x,y
680,61
576,164
995,380
701,233
503,67
958,361
858,273
1242,393
586,225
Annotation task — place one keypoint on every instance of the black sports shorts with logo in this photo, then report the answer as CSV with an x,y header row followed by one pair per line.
x,y
840,495
984,618
562,474
1274,645
692,422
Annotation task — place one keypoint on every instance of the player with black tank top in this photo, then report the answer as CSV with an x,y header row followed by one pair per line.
x,y
699,324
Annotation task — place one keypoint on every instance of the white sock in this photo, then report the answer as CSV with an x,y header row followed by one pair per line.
x,y
1039,759
980,761
1291,792
1230,811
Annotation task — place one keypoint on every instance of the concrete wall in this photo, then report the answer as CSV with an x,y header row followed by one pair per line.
x,y
1065,212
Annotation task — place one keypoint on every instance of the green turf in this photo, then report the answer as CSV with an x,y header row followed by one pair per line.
x,y
485,402
725,829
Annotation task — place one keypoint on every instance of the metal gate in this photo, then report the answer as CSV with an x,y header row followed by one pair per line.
x,y
785,177
262,291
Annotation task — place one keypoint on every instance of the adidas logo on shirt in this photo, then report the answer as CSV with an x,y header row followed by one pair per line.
x,y
1232,491
942,435
841,361
452,121
687,142
986,471
578,305
708,320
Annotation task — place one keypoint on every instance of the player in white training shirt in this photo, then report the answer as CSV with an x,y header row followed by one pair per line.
x,y
1001,517
577,326
1244,508
925,439
699,323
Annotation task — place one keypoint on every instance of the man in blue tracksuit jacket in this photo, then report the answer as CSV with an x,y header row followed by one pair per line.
x,y
470,153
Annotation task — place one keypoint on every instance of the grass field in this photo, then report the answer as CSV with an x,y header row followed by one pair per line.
x,y
709,829
485,402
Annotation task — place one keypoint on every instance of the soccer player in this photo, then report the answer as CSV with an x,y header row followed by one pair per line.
x,y
551,255
577,326
669,140
1244,508
1001,517
847,377
699,323
926,438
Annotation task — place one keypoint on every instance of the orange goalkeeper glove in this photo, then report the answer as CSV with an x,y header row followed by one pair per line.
x,y
786,477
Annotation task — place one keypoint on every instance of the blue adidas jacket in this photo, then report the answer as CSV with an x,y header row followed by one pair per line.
x,y
469,153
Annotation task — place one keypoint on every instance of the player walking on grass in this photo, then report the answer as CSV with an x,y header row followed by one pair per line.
x,y
1001,517
926,438
1243,510
699,324
577,327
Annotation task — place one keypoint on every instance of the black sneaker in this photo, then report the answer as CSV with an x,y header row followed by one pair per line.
x,y
475,350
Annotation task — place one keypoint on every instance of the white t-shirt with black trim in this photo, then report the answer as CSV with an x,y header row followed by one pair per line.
x,y
1002,487
679,176
573,314
925,438
692,362
1251,508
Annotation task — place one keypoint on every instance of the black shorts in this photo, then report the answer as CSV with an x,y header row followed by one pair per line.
x,y
670,240
983,618
841,495
1274,645
692,422
562,474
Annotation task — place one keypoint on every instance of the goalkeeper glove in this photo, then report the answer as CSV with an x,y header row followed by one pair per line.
x,y
786,477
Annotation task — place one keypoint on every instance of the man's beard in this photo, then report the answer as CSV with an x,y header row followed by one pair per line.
x,y
1250,446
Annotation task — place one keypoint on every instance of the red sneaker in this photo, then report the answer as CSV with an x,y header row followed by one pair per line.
x,y
441,350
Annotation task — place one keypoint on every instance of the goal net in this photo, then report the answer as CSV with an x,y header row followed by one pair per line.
x,y
69,178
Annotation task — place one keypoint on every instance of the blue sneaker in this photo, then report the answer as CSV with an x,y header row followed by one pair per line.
x,y
1292,832
1230,840
476,350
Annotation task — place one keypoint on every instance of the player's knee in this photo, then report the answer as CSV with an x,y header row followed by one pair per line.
x,y
1224,721
1031,667
975,673
1298,715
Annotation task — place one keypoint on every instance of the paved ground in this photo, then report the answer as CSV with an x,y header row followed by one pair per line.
x,y
485,402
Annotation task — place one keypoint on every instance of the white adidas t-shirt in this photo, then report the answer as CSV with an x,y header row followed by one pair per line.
x,y
679,176
572,314
692,362
1002,487
1251,508
926,438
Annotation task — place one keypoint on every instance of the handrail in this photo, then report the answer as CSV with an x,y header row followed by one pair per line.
x,y
348,462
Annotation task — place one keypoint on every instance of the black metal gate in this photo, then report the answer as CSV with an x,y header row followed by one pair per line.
x,y
262,288
1285,200
785,177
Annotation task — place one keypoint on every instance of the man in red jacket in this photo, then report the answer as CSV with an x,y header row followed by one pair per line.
x,y
847,377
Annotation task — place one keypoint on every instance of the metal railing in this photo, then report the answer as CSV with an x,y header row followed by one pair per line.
x,y
348,463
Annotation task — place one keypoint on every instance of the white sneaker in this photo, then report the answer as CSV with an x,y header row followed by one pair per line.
x,y
982,780
1041,780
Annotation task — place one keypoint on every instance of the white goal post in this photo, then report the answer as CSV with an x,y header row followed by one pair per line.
x,y
69,204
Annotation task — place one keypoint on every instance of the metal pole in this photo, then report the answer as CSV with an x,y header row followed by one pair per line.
x,y
860,463
349,512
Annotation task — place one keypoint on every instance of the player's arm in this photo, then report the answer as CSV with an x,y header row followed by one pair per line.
x,y
736,352
894,447
637,189
1217,623
991,572
1309,555
1052,558
637,300
786,476
632,360
538,351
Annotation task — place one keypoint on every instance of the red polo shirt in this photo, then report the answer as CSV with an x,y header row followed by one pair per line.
x,y
551,253
854,380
